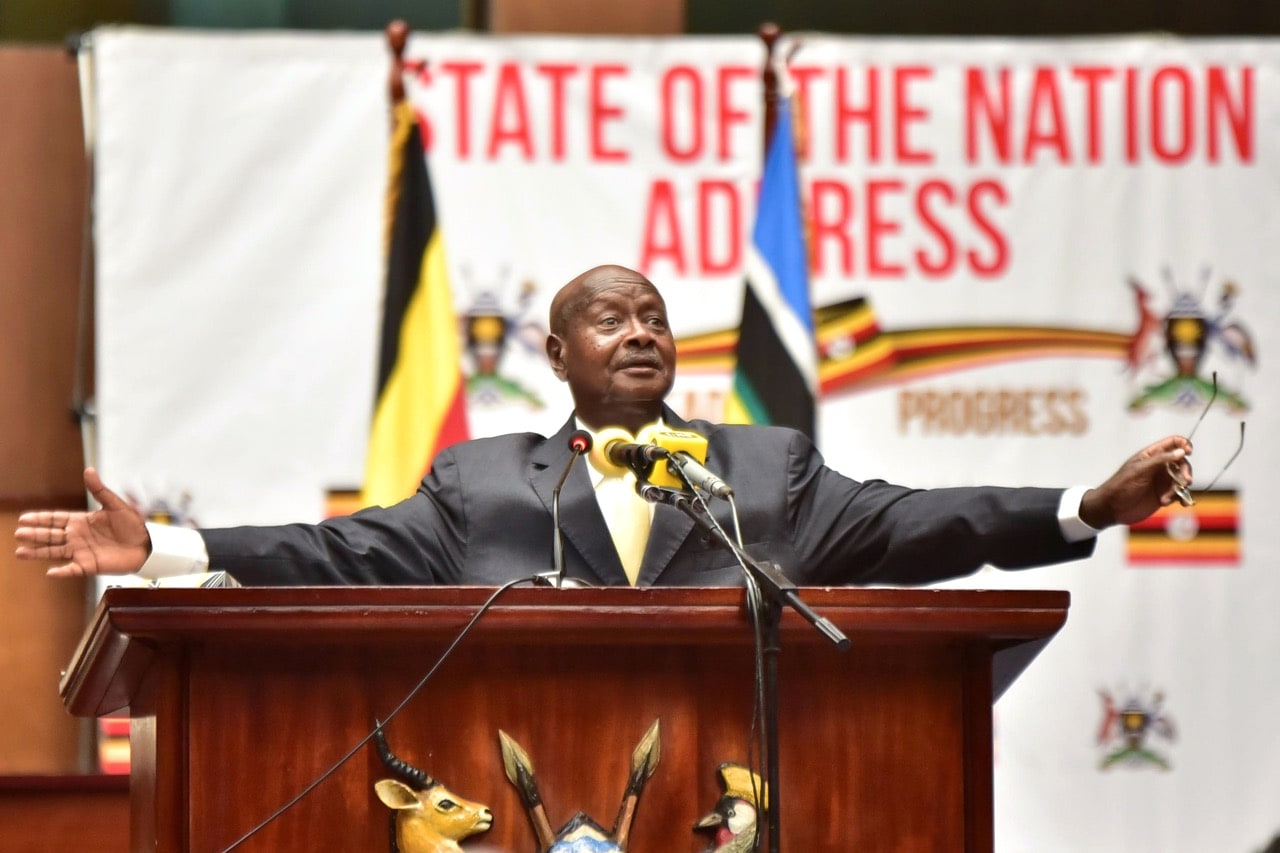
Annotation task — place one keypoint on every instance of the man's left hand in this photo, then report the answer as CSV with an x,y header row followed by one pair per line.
x,y
1141,486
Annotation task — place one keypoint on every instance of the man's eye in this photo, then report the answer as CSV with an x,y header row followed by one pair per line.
x,y
609,321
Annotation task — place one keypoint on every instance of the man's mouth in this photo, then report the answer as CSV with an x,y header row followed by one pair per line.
x,y
645,364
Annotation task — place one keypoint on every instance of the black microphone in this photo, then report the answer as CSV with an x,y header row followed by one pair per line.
x,y
658,495
637,457
615,453
579,443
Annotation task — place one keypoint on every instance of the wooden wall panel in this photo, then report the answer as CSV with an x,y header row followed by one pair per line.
x,y
656,17
84,814
42,173
40,623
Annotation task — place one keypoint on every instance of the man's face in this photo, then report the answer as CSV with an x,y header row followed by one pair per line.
x,y
614,349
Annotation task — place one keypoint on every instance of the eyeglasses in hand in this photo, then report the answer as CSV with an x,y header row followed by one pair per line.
x,y
1181,488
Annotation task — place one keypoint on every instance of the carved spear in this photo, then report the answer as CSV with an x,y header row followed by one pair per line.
x,y
644,760
519,769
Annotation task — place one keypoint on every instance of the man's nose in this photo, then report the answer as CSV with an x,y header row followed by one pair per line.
x,y
639,332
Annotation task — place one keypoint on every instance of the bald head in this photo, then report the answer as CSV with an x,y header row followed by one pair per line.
x,y
575,296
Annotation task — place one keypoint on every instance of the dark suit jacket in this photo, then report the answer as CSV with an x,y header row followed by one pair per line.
x,y
483,516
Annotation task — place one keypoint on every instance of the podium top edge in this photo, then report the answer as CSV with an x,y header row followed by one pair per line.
x,y
132,625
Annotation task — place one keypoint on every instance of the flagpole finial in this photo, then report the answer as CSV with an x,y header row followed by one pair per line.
x,y
397,37
769,33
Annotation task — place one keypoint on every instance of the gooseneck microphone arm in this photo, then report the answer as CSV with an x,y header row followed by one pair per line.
x,y
773,581
579,443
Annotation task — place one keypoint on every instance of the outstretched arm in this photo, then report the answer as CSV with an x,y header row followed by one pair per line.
x,y
110,541
1141,486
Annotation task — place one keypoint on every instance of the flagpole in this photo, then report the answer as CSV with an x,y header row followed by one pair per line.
x,y
771,804
419,405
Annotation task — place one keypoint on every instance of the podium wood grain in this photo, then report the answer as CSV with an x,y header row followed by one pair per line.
x,y
242,697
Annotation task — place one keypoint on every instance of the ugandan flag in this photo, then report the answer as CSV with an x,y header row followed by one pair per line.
x,y
113,745
421,404
1207,533
775,376
852,348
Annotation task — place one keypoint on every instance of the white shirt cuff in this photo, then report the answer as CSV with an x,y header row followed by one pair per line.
x,y
1072,526
174,551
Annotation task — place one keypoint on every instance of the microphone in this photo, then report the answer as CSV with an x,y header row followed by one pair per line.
x,y
658,495
682,452
698,475
579,443
685,452
615,453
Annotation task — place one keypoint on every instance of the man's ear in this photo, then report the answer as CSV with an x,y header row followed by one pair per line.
x,y
555,355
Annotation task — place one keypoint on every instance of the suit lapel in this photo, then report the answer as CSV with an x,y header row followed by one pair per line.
x,y
580,519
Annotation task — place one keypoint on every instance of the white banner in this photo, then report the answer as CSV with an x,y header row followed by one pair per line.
x,y
238,225
1053,244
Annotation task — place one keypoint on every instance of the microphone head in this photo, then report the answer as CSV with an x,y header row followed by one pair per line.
x,y
598,452
672,441
580,441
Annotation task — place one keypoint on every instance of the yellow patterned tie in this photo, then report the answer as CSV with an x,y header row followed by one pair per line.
x,y
628,524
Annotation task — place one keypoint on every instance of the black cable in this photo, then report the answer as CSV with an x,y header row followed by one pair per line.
x,y
755,608
380,726
755,604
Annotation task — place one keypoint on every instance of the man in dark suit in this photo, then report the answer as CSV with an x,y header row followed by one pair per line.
x,y
483,513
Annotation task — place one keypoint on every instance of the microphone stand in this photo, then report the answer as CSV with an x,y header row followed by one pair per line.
x,y
779,592
579,443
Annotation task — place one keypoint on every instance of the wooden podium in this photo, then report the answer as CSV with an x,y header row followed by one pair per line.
x,y
242,697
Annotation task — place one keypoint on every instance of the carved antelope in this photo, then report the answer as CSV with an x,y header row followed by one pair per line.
x,y
426,816
581,832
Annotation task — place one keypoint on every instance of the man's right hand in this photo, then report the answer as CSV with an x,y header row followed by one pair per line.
x,y
110,541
